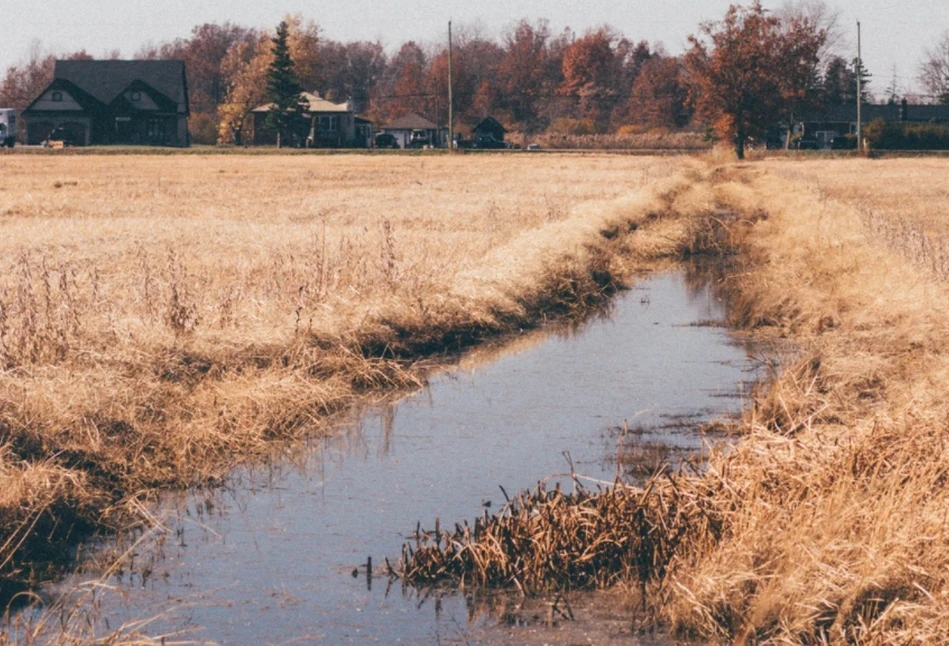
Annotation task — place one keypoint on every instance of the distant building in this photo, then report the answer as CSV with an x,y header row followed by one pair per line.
x,y
113,102
413,130
332,125
822,127
489,128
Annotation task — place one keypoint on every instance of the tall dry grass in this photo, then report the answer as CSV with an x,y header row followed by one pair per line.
x,y
163,318
827,523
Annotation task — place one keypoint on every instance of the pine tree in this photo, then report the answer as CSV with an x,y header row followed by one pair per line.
x,y
287,104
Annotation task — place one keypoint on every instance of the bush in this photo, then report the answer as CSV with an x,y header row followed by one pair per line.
x,y
883,135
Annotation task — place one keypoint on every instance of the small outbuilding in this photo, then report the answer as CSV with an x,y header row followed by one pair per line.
x,y
489,128
415,131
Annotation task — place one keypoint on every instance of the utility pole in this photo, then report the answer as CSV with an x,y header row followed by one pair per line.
x,y
451,103
859,93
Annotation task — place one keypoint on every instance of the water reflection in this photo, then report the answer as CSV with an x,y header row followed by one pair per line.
x,y
271,557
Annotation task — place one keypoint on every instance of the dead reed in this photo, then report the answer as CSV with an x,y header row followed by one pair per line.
x,y
827,523
165,318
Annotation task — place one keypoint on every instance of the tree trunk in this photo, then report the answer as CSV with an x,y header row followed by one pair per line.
x,y
740,143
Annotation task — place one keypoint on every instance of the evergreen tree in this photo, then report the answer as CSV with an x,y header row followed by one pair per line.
x,y
287,104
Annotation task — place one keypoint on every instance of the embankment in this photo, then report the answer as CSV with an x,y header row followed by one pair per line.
x,y
827,522
93,425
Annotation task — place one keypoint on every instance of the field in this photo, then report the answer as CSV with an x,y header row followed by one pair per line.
x,y
164,318
828,522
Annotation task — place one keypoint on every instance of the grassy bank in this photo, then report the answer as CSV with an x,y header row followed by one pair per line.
x,y
827,522
165,318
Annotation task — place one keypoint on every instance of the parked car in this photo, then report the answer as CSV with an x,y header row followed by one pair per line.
x,y
533,146
488,143
62,136
807,143
385,140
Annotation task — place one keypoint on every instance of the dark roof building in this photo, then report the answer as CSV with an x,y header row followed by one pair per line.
x,y
113,102
489,127
824,127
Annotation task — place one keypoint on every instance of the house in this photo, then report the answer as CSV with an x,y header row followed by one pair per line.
x,y
331,125
415,131
113,102
489,128
820,128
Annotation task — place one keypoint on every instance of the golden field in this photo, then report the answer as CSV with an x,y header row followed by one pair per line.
x,y
165,317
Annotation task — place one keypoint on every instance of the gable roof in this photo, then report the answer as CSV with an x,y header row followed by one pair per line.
x,y
80,96
410,121
490,124
106,80
315,104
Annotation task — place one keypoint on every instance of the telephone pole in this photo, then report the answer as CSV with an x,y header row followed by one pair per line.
x,y
451,104
859,93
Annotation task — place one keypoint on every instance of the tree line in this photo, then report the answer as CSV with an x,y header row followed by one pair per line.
x,y
740,74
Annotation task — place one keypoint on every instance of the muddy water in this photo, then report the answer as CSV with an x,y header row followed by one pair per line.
x,y
279,556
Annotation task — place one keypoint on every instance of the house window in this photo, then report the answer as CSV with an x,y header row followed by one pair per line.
x,y
135,96
57,96
155,129
329,123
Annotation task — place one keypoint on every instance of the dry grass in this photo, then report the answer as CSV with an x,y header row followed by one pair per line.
x,y
162,318
828,522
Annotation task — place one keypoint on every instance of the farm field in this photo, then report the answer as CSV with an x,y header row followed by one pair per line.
x,y
163,318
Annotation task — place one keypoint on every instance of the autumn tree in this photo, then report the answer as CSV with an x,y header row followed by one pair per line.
x,y
591,74
751,70
659,97
522,70
245,68
283,89
934,70
406,86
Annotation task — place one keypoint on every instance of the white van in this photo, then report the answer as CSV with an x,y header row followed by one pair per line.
x,y
7,127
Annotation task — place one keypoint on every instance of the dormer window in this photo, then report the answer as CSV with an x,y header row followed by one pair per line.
x,y
135,96
57,96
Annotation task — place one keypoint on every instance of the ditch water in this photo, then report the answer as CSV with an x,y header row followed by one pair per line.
x,y
279,555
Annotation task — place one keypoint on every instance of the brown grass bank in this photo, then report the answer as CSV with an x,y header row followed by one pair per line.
x,y
164,318
828,522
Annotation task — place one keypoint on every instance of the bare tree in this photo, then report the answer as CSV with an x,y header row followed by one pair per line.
x,y
934,69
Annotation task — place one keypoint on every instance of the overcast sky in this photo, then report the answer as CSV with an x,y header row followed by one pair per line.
x,y
895,32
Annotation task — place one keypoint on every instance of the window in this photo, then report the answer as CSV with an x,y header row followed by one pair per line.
x,y
155,129
57,96
329,123
135,96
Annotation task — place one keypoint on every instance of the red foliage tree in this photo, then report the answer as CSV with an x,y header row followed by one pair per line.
x,y
752,69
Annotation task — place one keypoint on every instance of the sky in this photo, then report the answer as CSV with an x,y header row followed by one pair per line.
x,y
895,34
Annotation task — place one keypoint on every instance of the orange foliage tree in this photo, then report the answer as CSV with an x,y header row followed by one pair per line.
x,y
752,69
